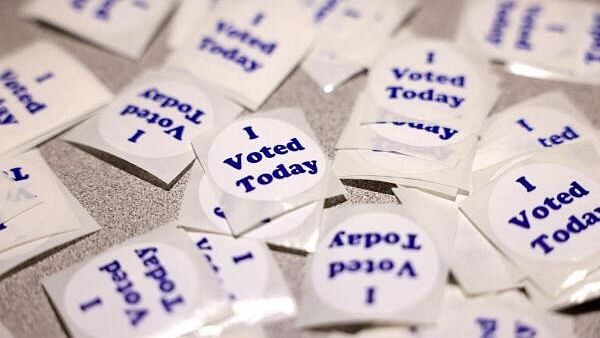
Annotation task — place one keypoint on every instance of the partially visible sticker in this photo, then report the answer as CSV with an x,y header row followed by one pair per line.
x,y
546,212
242,265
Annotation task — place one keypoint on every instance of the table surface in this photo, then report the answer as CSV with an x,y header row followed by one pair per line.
x,y
126,205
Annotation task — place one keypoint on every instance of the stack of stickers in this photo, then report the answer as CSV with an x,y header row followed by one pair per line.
x,y
543,39
535,198
38,212
263,176
416,123
169,283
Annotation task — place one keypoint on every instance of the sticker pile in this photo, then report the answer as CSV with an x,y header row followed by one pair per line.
x,y
416,122
505,199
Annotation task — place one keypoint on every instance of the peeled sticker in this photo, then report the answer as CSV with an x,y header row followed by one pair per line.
x,y
263,165
297,229
543,122
154,285
508,314
41,97
491,274
52,216
350,34
541,214
123,27
17,255
250,276
374,264
152,122
245,49
14,199
545,39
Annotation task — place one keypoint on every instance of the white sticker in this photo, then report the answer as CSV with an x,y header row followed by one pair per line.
x,y
242,265
245,48
427,79
375,263
546,212
41,97
156,119
265,159
139,290
124,27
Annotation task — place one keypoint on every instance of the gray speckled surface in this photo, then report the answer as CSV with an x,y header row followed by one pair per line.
x,y
126,205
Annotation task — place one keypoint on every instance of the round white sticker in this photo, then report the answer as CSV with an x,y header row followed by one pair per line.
x,y
375,263
265,159
156,119
546,212
241,264
426,80
139,290
476,321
